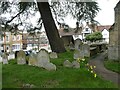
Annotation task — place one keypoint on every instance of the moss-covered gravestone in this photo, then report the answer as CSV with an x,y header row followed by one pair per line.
x,y
21,57
32,59
43,58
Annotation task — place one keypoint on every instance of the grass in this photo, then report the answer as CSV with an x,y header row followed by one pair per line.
x,y
14,76
112,65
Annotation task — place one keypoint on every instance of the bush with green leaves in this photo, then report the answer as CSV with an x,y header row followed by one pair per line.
x,y
94,36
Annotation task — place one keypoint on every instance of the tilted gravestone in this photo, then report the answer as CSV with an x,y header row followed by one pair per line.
x,y
86,50
43,58
67,63
78,44
5,58
53,55
50,67
32,59
21,57
75,64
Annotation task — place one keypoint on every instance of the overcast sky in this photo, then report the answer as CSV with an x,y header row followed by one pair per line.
x,y
105,15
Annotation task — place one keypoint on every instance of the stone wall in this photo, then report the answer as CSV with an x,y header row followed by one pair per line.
x,y
114,45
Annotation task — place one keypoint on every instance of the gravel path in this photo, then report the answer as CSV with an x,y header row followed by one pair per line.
x,y
102,71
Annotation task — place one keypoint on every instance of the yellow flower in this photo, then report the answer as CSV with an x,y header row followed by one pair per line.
x,y
87,64
95,75
91,67
83,59
91,71
94,66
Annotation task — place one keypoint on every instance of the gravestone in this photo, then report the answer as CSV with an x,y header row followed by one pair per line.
x,y
5,58
78,44
32,59
53,55
71,46
67,63
78,54
50,67
75,64
43,58
21,57
86,50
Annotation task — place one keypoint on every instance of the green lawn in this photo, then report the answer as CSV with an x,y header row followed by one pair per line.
x,y
112,65
15,76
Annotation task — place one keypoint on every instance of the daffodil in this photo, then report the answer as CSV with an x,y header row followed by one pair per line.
x,y
83,59
94,66
95,75
91,71
87,64
91,67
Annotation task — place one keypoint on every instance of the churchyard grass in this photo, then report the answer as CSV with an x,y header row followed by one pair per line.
x,y
15,76
112,65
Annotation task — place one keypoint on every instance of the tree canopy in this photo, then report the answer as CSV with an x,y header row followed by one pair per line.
x,y
81,11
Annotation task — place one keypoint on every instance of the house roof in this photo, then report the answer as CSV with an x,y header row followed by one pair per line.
x,y
70,32
100,28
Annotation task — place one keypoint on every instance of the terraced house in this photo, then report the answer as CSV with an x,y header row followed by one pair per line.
x,y
10,42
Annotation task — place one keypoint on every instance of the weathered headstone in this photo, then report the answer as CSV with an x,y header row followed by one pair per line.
x,y
50,67
53,55
67,63
78,54
21,57
32,59
86,50
71,46
75,64
43,58
78,44
5,58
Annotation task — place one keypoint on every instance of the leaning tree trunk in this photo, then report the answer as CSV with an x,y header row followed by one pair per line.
x,y
55,41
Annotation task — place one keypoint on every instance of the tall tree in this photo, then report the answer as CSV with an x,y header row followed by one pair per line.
x,y
50,27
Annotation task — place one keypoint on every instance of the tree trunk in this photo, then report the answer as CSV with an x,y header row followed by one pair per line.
x,y
55,41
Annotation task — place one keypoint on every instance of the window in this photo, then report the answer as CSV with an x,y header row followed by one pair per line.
x,y
86,29
18,38
13,38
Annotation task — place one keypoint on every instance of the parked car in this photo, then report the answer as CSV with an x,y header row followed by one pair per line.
x,y
27,52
